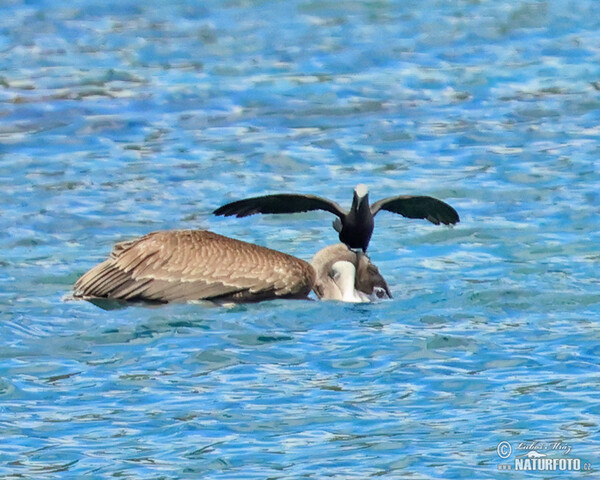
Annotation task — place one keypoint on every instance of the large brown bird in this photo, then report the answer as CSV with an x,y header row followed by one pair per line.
x,y
190,265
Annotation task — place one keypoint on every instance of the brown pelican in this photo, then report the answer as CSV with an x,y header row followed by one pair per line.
x,y
189,265
343,274
356,226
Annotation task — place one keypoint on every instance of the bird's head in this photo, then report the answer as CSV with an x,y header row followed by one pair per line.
x,y
361,197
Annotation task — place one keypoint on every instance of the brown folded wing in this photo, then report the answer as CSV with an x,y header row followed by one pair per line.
x,y
185,265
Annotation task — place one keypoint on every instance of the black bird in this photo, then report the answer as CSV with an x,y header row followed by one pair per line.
x,y
356,226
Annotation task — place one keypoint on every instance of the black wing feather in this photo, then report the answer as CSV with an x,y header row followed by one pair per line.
x,y
425,207
279,203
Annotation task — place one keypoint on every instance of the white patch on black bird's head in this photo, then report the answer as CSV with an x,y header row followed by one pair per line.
x,y
360,200
361,190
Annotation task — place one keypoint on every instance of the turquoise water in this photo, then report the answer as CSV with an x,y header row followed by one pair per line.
x,y
120,118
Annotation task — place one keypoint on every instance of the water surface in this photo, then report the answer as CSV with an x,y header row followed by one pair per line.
x,y
117,119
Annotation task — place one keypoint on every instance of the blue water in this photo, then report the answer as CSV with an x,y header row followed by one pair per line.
x,y
120,118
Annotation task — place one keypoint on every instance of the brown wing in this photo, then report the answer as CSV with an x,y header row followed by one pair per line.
x,y
184,265
425,207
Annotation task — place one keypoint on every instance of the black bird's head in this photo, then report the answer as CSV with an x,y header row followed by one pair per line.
x,y
360,201
357,225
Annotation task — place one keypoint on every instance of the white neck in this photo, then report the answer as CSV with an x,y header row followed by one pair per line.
x,y
344,276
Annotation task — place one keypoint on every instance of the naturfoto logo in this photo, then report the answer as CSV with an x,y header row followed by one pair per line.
x,y
540,456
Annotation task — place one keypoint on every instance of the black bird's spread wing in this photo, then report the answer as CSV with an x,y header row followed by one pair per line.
x,y
409,206
279,203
